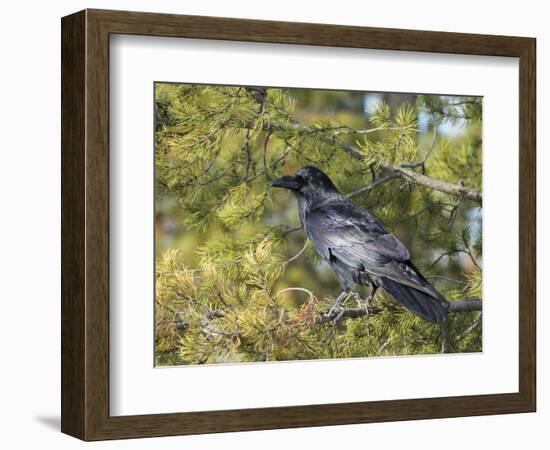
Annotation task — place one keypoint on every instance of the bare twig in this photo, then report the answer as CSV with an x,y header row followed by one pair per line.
x,y
471,328
307,291
383,346
371,186
296,256
422,163
347,130
465,251
246,151
291,230
432,146
266,171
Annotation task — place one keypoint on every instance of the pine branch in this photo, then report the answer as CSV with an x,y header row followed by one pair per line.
x,y
456,190
458,306
328,134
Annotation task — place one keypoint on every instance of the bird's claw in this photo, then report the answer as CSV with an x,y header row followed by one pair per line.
x,y
331,310
336,303
338,317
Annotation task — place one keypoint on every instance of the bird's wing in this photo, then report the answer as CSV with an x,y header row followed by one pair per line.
x,y
344,231
352,234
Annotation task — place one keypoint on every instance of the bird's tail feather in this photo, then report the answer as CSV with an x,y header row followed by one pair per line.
x,y
420,303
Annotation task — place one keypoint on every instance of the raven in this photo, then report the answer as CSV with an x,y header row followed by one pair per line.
x,y
358,248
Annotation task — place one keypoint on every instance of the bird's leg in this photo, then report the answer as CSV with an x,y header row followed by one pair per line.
x,y
370,298
368,303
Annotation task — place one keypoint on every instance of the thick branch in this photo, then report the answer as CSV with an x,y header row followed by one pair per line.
x,y
469,304
345,313
466,305
215,314
456,190
459,306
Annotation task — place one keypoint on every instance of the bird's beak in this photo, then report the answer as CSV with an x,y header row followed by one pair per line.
x,y
287,182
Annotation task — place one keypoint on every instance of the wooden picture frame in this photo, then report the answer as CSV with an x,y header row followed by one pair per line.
x,y
85,224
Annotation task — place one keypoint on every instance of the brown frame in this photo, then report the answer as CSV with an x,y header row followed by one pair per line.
x,y
85,224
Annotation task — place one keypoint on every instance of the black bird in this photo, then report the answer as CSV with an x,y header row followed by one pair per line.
x,y
357,246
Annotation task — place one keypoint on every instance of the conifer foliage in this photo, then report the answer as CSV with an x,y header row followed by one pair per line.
x,y
236,279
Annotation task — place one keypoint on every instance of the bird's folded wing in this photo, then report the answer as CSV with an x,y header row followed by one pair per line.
x,y
358,239
355,234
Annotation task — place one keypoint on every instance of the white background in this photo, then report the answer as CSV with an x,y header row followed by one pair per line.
x,y
136,387
30,232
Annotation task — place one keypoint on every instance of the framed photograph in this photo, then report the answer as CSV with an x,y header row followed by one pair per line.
x,y
273,225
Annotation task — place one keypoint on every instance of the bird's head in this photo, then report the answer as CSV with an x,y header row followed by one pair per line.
x,y
308,181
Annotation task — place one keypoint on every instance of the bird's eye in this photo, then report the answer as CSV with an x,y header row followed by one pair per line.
x,y
301,179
